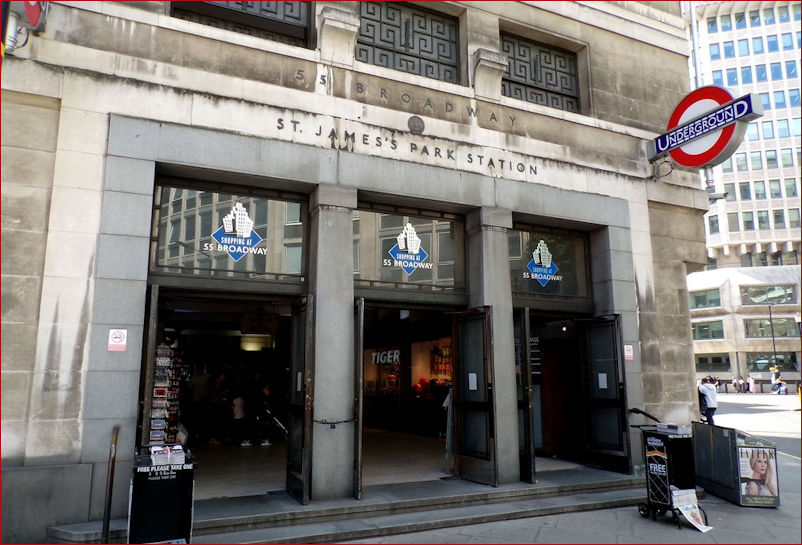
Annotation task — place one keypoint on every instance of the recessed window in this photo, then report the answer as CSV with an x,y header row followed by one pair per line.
x,y
708,330
712,363
779,219
790,187
712,222
540,74
764,295
760,190
705,299
762,361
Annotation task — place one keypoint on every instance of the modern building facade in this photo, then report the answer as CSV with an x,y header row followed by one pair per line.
x,y
367,203
752,48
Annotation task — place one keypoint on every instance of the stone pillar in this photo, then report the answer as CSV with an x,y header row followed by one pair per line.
x,y
489,284
331,279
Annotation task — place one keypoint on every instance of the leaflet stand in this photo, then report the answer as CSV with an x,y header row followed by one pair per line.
x,y
160,509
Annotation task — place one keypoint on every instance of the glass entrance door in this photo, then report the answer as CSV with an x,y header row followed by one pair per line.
x,y
475,445
299,455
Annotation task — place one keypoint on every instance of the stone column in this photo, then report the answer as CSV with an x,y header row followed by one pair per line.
x,y
331,279
489,284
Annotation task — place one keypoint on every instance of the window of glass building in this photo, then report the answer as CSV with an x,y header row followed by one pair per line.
x,y
776,259
760,73
708,330
793,218
757,45
746,260
712,264
752,132
762,259
765,295
718,77
712,223
540,74
765,101
796,9
748,221
755,160
726,166
743,48
762,361
793,97
732,76
791,71
763,220
712,25
768,16
223,235
787,40
732,222
285,22
409,39
791,258
715,52
772,45
783,131
790,187
740,162
726,22
776,71
740,20
768,129
712,363
775,189
705,299
729,189
779,99
795,127
754,17
729,50
548,262
782,14
760,190
746,74
787,157
402,250
779,219
771,158
745,191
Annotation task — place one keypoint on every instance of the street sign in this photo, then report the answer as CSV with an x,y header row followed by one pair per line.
x,y
707,126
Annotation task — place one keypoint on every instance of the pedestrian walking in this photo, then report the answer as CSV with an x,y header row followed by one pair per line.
x,y
708,391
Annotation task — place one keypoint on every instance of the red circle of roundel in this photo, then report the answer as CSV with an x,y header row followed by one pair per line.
x,y
710,92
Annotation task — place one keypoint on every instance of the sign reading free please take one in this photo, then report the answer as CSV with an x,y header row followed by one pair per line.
x,y
707,126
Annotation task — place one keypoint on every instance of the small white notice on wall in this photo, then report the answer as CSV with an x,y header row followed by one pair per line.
x,y
472,381
602,381
629,352
118,340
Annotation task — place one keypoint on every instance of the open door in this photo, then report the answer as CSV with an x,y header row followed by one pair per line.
x,y
523,374
606,435
149,346
475,445
299,450
359,335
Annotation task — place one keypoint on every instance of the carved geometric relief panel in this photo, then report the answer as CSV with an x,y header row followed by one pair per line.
x,y
409,40
540,74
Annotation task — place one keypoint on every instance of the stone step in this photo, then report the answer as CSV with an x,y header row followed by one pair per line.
x,y
427,502
419,520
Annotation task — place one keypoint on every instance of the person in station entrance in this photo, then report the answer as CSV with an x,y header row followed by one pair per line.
x,y
708,391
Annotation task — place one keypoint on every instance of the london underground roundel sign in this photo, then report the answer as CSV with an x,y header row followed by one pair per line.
x,y
707,126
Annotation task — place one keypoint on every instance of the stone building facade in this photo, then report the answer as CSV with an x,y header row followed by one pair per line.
x,y
487,127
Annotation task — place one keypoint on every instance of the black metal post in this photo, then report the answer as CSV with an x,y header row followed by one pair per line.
x,y
110,483
773,342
